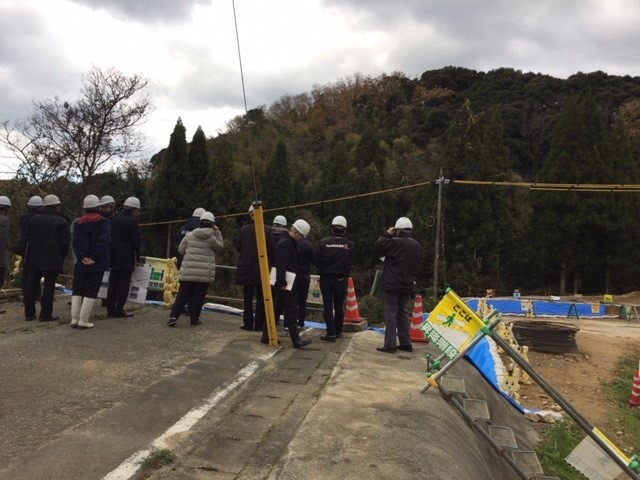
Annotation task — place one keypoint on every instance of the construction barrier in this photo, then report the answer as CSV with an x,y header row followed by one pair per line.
x,y
417,320
634,401
352,314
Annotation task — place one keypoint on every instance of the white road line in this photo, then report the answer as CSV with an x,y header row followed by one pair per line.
x,y
131,465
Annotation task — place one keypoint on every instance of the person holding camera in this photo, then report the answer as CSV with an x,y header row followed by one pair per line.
x,y
402,258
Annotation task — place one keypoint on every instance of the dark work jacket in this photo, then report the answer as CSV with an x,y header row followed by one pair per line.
x,y
125,241
306,257
4,241
279,232
248,269
335,256
47,242
25,218
286,260
191,225
403,257
92,239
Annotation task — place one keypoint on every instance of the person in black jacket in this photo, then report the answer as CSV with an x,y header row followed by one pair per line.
x,y
34,206
402,259
91,244
306,258
125,252
248,273
47,245
286,262
335,255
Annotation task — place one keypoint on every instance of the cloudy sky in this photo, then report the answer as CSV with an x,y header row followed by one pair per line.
x,y
188,51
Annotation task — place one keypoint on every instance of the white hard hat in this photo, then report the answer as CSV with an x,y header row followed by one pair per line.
x,y
250,208
403,223
106,200
4,201
208,217
91,201
280,220
50,200
35,201
339,221
302,226
198,212
132,202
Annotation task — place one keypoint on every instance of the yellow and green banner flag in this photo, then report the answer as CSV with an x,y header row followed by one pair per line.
x,y
451,325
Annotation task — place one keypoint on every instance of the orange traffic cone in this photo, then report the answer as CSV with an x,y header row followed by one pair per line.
x,y
352,314
634,401
417,335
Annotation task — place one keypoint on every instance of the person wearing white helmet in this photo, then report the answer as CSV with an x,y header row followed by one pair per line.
x,y
125,252
107,206
279,228
306,258
402,260
198,269
34,206
286,262
47,242
5,205
91,240
335,255
192,224
248,273
90,201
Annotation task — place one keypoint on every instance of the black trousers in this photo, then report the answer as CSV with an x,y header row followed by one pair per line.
x,y
87,284
118,291
31,289
192,293
251,323
303,282
334,291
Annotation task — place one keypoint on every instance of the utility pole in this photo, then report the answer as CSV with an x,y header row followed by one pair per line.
x,y
436,260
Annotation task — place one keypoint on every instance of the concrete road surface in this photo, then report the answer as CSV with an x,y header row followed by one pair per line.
x,y
91,404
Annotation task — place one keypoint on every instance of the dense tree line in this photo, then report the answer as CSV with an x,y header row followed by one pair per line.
x,y
319,154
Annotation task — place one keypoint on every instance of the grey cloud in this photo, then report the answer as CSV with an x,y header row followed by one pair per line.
x,y
147,11
545,35
31,69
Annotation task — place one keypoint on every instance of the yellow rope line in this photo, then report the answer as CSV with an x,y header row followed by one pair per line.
x,y
559,187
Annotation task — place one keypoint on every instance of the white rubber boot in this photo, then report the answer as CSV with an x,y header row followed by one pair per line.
x,y
76,303
85,312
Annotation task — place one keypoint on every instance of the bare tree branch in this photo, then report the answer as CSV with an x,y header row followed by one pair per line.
x,y
77,138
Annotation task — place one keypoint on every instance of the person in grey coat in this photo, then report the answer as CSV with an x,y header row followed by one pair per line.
x,y
198,268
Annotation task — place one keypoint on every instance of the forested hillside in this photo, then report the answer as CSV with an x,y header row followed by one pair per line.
x,y
362,135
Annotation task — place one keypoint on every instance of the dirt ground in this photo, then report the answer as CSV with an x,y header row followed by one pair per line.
x,y
581,377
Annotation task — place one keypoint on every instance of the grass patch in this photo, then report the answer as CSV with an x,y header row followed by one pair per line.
x,y
625,419
156,460
559,439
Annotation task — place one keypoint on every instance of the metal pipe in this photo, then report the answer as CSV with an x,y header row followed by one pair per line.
x,y
479,336
565,404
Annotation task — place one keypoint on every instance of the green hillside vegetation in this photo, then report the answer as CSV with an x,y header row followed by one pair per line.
x,y
392,134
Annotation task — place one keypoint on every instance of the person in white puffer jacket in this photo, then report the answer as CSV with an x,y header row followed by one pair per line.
x,y
198,268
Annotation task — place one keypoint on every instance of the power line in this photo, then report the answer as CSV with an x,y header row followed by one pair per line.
x,y
577,187
244,94
560,187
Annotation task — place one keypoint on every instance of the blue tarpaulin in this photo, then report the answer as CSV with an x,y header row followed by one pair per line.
x,y
542,308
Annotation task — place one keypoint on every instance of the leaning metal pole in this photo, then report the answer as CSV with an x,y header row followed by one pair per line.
x,y
436,259
565,404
